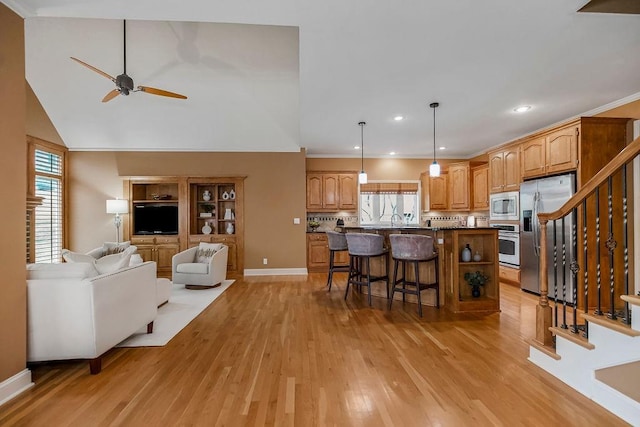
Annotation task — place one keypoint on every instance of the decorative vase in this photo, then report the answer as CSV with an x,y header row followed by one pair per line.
x,y
225,196
232,194
230,229
477,257
206,196
228,214
207,228
475,291
466,254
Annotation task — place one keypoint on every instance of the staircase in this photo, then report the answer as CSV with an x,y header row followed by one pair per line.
x,y
594,346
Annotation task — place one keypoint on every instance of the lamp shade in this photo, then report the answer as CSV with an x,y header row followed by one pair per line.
x,y
362,177
117,206
434,169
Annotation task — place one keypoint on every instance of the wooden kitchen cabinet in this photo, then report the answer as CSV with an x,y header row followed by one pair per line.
x,y
458,295
459,194
504,170
561,150
435,191
332,191
438,198
160,249
551,153
318,253
480,185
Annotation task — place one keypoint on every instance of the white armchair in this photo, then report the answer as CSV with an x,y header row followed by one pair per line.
x,y
196,270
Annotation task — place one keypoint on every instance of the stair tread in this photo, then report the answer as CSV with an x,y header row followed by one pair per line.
x,y
623,378
570,336
602,320
631,299
549,351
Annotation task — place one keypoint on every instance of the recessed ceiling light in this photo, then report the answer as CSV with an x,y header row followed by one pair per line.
x,y
357,147
522,109
443,148
393,153
398,118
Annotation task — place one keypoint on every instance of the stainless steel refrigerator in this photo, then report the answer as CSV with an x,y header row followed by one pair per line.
x,y
545,195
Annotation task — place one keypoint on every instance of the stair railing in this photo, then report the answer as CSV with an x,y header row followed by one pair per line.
x,y
584,208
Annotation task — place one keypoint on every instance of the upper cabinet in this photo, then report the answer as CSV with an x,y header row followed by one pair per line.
x,y
480,185
459,194
434,191
504,170
554,152
332,192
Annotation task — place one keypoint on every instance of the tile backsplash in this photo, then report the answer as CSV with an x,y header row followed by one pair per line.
x,y
328,221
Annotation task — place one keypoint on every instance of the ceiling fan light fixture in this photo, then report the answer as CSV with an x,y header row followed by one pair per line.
x,y
362,176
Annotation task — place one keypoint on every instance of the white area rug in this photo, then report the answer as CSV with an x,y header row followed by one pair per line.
x,y
183,306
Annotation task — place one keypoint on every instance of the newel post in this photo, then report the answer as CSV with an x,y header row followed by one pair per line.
x,y
543,310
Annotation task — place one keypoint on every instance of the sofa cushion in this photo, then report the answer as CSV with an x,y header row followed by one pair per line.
x,y
109,248
206,251
74,270
193,268
70,256
114,262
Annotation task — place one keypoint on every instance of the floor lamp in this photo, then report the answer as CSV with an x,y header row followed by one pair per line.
x,y
117,207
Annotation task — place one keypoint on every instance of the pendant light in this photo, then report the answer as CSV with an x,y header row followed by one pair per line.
x,y
434,168
362,177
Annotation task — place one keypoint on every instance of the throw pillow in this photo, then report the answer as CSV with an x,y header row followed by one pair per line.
x,y
206,251
114,262
110,248
69,256
73,270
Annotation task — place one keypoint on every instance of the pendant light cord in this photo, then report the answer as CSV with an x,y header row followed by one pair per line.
x,y
124,38
434,105
362,145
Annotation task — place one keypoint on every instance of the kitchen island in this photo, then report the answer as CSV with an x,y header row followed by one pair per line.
x,y
455,292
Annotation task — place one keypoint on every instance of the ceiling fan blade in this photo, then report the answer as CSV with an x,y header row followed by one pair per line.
x,y
160,92
108,97
91,67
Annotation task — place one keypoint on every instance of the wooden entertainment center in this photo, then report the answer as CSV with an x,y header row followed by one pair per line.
x,y
209,209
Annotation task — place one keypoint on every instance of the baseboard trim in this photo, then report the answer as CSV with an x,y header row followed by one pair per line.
x,y
275,272
13,386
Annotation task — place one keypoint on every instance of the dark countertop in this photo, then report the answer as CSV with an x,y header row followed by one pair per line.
x,y
413,227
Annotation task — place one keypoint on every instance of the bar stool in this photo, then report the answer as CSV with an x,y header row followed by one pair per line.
x,y
362,247
414,249
337,243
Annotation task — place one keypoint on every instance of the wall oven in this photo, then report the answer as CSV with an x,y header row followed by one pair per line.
x,y
504,206
508,244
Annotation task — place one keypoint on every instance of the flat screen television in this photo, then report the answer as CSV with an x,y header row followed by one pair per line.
x,y
156,218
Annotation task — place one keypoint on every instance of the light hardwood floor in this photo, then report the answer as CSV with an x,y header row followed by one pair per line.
x,y
284,351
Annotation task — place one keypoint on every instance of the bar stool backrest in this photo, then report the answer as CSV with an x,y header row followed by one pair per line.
x,y
337,241
365,244
411,246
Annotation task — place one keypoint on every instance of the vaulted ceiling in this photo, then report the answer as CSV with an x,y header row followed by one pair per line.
x,y
287,74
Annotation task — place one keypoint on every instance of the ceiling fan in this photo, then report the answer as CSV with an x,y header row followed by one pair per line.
x,y
124,83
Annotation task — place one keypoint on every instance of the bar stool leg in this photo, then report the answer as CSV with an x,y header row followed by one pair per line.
x,y
351,267
417,270
404,281
330,278
394,281
386,272
369,279
435,266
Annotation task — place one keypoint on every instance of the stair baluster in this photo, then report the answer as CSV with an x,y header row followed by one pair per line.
x,y
585,258
598,309
574,267
611,246
555,276
564,276
625,244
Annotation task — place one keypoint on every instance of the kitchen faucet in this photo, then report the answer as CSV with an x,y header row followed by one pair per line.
x,y
393,222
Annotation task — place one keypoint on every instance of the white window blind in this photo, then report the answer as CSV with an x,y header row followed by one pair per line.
x,y
48,222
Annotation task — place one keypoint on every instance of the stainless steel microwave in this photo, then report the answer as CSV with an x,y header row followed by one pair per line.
x,y
504,206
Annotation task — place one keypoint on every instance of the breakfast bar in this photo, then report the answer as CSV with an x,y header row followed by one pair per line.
x,y
456,293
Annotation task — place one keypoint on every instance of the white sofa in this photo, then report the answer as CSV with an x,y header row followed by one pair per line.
x,y
72,316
